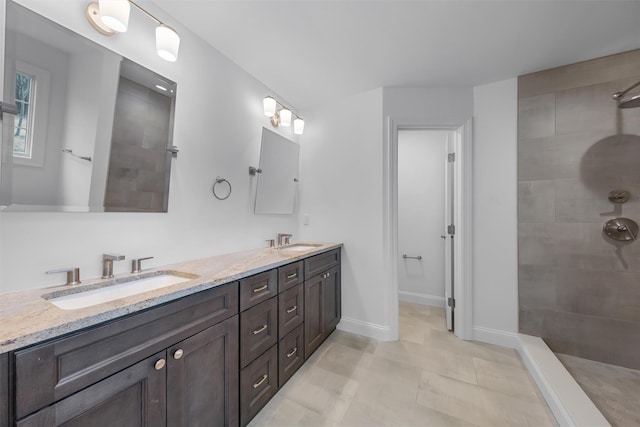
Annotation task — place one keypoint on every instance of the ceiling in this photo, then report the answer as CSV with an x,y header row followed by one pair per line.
x,y
313,52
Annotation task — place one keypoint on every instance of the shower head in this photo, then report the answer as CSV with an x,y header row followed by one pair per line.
x,y
632,102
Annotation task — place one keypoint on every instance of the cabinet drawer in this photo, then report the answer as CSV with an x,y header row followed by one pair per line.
x,y
258,384
291,310
290,275
49,372
258,288
258,330
320,263
290,354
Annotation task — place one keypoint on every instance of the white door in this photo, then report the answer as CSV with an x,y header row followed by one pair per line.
x,y
421,196
448,233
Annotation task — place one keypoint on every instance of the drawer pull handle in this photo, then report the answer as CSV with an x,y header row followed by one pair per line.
x,y
260,289
292,352
178,354
261,329
292,275
292,309
159,364
260,381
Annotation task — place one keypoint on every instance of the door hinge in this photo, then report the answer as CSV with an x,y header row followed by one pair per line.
x,y
451,302
451,157
451,229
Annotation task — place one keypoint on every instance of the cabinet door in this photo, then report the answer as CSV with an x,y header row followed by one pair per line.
x,y
134,397
202,378
313,314
332,300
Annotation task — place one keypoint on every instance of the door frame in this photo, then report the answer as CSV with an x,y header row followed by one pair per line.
x,y
463,217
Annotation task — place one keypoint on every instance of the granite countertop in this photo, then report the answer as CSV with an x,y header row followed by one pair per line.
x,y
26,317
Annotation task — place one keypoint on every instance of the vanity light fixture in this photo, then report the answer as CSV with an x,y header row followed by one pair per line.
x,y
110,17
282,116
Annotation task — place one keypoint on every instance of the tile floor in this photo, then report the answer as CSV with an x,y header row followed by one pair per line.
x,y
613,389
427,378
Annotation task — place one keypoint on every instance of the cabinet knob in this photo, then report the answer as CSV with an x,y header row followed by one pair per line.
x,y
292,275
178,354
292,309
160,364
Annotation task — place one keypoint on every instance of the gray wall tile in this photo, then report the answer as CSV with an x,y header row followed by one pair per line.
x,y
536,201
585,73
539,112
579,289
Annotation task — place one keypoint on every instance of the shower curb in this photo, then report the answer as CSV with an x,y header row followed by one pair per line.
x,y
569,403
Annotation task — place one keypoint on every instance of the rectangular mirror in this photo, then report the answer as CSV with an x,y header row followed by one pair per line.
x,y
277,182
92,129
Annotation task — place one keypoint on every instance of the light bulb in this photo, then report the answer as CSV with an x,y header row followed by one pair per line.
x,y
298,126
167,43
285,117
115,14
269,105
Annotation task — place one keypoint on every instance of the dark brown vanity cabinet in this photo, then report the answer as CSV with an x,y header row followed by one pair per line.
x,y
213,358
322,296
4,390
165,366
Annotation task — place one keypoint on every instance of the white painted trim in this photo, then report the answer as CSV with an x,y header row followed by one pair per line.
x,y
496,336
367,329
463,233
465,272
568,402
424,299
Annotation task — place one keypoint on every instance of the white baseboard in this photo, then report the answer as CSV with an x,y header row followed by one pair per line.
x,y
496,336
568,402
424,299
367,329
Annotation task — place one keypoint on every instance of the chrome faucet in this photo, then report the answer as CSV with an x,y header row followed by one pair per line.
x,y
283,238
107,264
73,274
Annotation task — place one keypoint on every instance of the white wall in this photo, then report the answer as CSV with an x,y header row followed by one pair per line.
x,y
495,240
421,189
341,179
436,106
218,126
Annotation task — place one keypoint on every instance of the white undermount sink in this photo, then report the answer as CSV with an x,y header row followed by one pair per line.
x,y
115,291
300,247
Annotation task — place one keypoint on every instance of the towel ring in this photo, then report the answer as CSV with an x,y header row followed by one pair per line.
x,y
220,180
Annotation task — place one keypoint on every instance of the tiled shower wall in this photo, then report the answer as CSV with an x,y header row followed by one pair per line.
x,y
578,289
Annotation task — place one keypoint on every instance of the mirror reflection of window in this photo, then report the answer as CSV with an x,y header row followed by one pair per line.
x,y
23,122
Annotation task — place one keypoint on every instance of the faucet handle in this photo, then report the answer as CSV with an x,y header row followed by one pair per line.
x,y
271,242
73,274
287,239
136,264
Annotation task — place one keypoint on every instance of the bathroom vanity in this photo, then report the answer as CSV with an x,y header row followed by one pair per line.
x,y
211,350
